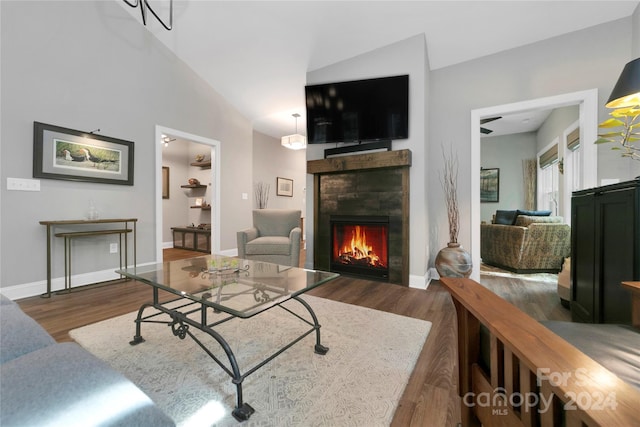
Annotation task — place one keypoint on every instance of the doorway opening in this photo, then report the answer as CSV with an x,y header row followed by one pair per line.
x,y
588,125
180,137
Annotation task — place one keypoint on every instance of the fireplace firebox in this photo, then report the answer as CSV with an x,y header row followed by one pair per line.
x,y
360,246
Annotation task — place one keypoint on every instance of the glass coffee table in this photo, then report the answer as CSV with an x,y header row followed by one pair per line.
x,y
218,286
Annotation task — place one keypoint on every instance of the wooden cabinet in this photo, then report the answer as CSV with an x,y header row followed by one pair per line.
x,y
194,239
605,251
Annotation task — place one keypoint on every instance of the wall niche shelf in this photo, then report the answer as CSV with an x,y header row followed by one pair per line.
x,y
204,208
203,165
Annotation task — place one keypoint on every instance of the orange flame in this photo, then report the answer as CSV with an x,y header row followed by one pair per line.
x,y
358,247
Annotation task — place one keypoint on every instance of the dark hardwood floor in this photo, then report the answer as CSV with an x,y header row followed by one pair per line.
x,y
430,397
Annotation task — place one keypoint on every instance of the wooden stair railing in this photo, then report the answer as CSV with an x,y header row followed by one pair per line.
x,y
536,378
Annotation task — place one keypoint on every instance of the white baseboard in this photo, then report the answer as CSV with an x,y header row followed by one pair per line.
x,y
26,290
229,252
418,282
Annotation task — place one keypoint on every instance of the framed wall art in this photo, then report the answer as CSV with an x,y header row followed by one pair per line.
x,y
284,187
68,154
489,185
165,182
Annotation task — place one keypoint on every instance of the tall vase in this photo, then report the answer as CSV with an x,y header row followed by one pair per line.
x,y
453,261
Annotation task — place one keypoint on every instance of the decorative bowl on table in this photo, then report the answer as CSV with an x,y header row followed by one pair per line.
x,y
223,267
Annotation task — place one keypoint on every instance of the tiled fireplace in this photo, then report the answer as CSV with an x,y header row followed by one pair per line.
x,y
361,215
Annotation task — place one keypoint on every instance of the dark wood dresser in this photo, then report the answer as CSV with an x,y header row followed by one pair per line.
x,y
605,251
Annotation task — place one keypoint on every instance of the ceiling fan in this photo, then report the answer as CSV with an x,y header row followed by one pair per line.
x,y
487,120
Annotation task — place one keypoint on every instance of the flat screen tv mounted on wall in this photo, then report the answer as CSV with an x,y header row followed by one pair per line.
x,y
358,111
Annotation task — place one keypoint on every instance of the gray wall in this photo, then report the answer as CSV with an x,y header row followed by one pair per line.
x,y
272,160
507,153
609,164
405,57
635,39
578,61
557,122
88,65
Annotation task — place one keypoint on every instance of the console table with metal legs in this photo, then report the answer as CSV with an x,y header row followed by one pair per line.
x,y
95,229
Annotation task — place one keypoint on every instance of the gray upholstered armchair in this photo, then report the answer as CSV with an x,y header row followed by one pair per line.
x,y
274,237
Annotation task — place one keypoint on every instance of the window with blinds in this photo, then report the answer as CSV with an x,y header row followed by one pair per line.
x,y
549,157
573,140
572,170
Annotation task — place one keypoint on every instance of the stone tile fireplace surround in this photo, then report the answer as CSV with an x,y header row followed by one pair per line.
x,y
370,184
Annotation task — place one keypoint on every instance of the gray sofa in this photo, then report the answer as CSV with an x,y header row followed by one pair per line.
x,y
44,383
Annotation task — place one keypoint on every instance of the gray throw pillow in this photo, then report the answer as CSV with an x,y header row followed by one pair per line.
x,y
505,217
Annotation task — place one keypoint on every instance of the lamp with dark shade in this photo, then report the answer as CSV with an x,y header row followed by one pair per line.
x,y
626,92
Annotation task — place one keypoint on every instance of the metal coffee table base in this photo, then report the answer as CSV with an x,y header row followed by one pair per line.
x,y
180,325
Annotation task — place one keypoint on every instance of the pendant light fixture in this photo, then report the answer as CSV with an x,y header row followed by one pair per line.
x,y
295,141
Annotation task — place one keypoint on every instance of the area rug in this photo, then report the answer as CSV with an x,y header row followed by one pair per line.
x,y
357,383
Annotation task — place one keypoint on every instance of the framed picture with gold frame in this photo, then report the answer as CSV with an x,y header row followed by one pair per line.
x,y
165,182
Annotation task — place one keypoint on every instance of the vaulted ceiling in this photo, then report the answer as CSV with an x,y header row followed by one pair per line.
x,y
257,53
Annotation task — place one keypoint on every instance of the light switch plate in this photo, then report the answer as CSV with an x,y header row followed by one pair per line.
x,y
21,184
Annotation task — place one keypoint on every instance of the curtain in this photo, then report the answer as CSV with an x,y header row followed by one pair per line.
x,y
529,172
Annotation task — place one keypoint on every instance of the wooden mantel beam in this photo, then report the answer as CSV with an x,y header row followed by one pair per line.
x,y
384,159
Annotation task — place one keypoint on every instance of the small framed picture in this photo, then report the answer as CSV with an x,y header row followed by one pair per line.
x,y
490,185
199,201
165,182
284,187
